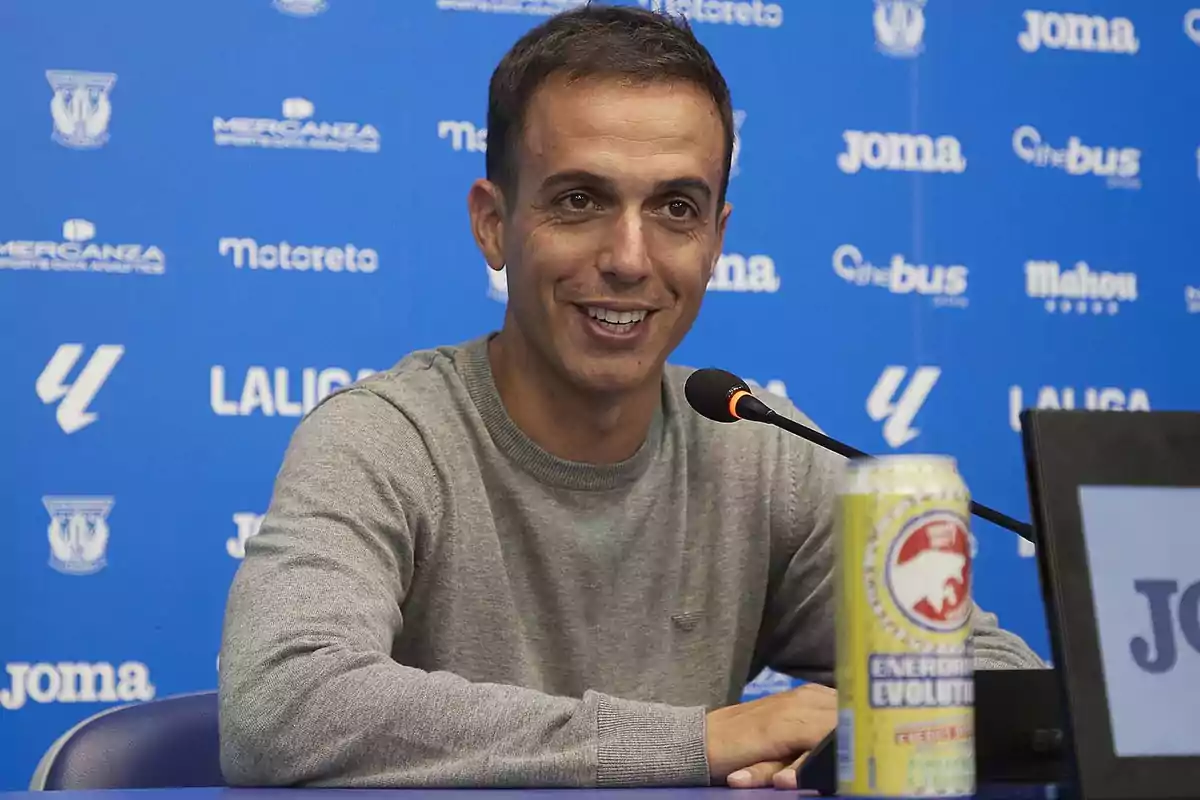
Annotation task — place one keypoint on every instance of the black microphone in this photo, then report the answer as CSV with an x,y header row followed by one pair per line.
x,y
724,397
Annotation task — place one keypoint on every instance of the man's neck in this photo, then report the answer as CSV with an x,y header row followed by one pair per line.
x,y
561,420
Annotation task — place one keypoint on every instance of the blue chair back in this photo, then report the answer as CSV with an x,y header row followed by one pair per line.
x,y
165,743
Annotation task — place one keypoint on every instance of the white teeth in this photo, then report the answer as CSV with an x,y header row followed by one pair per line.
x,y
616,317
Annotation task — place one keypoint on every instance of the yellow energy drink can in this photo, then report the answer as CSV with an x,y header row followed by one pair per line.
x,y
905,670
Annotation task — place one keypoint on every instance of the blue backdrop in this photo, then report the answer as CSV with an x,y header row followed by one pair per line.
x,y
214,213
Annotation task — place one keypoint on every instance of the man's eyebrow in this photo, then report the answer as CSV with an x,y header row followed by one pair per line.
x,y
582,176
578,176
698,185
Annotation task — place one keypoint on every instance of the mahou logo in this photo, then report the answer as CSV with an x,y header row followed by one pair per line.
x,y
929,572
75,682
900,152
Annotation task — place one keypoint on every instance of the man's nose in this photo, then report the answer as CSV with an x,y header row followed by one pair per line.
x,y
627,258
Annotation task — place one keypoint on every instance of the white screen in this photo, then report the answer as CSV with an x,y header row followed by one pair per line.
x,y
1149,535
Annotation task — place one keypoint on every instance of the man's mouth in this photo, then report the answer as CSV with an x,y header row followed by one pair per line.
x,y
614,320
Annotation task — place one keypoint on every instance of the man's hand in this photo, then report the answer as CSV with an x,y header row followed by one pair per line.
x,y
763,741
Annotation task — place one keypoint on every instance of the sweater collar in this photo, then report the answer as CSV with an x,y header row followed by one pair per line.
x,y
476,371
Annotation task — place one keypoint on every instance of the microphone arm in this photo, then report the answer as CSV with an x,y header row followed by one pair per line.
x,y
1022,529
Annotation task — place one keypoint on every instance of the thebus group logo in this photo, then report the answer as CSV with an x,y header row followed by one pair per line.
x,y
1119,166
944,284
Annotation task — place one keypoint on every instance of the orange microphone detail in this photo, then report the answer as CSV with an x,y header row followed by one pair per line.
x,y
733,401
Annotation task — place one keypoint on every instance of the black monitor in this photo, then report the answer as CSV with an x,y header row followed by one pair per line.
x,y
1116,505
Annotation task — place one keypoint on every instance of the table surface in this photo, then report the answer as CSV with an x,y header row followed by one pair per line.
x,y
699,793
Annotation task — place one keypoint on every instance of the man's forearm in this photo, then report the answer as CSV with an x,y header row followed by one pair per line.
x,y
996,648
331,717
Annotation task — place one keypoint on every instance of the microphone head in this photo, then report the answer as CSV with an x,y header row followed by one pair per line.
x,y
709,391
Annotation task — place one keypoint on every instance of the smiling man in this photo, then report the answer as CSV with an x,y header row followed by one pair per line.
x,y
523,560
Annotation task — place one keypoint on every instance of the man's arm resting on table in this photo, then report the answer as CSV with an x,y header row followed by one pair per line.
x,y
309,694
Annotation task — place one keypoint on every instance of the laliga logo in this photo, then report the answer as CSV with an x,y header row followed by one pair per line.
x,y
929,572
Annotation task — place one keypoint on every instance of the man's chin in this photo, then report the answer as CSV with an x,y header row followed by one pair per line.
x,y
616,379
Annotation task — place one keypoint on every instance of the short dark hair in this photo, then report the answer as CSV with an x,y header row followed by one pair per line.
x,y
596,41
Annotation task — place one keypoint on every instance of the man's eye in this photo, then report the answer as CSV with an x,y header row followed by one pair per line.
x,y
680,209
577,201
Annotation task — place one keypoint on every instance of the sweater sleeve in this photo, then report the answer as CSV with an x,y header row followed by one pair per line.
x,y
799,635
309,692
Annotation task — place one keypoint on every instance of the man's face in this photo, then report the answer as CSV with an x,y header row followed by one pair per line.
x,y
614,230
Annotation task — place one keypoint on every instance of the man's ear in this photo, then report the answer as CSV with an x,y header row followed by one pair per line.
x,y
485,204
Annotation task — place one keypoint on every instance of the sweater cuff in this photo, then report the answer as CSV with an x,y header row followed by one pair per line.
x,y
650,744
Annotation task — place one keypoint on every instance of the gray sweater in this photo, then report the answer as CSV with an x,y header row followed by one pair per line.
x,y
434,600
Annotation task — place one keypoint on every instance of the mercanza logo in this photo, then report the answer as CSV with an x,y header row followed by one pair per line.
x,y
271,392
1106,398
75,682
1160,654
1080,289
1119,165
248,253
751,13
945,284
73,414
296,131
900,411
1191,296
247,523
900,152
738,273
543,8
78,253
1089,33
